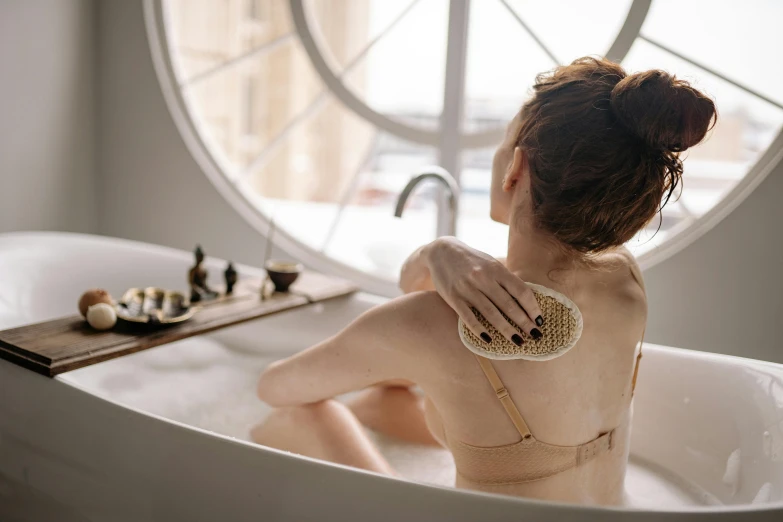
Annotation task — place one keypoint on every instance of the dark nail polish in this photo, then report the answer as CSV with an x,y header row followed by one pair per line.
x,y
536,334
485,337
539,320
517,339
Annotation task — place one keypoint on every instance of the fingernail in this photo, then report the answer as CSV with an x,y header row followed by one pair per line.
x,y
517,339
539,320
485,336
536,334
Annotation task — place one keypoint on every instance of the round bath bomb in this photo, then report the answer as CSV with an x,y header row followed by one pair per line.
x,y
92,297
101,316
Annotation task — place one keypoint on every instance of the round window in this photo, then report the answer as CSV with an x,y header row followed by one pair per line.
x,y
315,114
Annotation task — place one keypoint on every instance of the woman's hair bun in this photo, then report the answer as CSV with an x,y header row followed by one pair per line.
x,y
666,113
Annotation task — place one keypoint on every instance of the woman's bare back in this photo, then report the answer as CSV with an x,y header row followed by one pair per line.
x,y
565,401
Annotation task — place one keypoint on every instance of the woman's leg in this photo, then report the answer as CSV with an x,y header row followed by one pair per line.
x,y
326,430
394,411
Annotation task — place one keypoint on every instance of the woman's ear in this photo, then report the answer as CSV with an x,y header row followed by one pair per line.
x,y
514,171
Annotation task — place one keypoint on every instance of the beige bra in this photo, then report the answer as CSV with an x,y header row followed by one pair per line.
x,y
526,460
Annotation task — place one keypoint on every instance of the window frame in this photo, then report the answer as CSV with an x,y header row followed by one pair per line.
x,y
163,61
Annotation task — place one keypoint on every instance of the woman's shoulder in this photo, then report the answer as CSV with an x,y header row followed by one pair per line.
x,y
620,268
421,311
617,284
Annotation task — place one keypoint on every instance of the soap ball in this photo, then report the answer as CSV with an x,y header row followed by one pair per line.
x,y
101,316
92,297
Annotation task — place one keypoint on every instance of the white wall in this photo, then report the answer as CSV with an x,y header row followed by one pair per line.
x,y
721,294
151,188
724,293
47,179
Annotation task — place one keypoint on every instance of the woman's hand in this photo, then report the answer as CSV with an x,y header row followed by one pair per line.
x,y
467,278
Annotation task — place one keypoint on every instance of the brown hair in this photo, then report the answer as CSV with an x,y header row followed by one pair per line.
x,y
603,149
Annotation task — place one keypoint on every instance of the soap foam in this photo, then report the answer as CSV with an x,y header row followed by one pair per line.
x,y
202,383
731,476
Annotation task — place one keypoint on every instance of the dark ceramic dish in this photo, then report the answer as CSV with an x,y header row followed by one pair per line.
x,y
283,273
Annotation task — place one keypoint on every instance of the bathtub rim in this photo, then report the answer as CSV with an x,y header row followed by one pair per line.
x,y
515,501
154,248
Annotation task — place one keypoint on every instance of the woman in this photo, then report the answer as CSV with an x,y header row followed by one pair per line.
x,y
587,163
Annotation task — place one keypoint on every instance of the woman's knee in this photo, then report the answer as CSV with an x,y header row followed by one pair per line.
x,y
306,418
322,410
317,416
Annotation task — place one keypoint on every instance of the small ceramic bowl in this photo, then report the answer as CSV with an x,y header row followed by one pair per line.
x,y
283,273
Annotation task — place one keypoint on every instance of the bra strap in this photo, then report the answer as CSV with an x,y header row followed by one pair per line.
x,y
504,397
636,368
637,275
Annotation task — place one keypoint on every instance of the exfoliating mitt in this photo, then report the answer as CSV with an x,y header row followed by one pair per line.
x,y
560,332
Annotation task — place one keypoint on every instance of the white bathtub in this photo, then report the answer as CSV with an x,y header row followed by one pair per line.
x,y
125,440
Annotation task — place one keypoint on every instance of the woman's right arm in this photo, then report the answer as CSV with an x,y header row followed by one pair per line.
x,y
467,278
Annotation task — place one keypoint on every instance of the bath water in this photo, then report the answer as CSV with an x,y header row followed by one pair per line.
x,y
203,383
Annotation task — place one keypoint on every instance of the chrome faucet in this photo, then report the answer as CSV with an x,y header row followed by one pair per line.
x,y
447,215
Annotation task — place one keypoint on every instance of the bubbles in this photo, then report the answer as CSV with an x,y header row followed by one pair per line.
x,y
731,477
766,443
764,494
197,353
651,486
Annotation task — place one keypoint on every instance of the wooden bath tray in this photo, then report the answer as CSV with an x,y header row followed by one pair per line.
x,y
65,344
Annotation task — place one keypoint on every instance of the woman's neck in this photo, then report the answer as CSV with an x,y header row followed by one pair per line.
x,y
529,249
